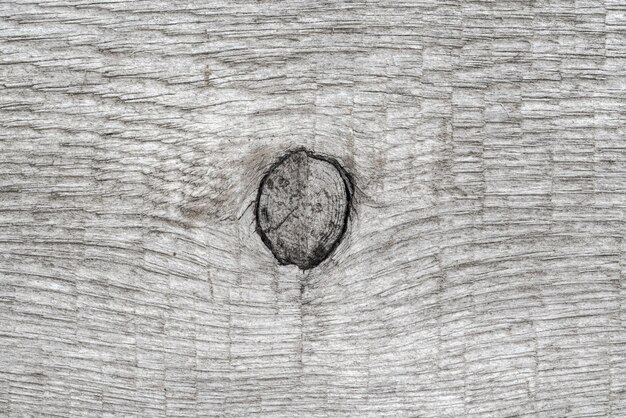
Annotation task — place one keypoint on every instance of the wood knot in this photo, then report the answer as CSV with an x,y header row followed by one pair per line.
x,y
302,208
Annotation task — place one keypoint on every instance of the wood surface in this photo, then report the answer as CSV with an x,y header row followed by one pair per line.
x,y
482,274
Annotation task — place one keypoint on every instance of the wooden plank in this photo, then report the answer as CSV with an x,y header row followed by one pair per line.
x,y
482,272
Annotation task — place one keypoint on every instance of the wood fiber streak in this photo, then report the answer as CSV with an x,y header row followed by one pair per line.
x,y
483,273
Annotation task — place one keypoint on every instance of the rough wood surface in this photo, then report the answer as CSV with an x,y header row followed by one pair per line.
x,y
483,272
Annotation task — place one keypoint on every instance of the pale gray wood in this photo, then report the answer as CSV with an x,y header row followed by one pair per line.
x,y
483,274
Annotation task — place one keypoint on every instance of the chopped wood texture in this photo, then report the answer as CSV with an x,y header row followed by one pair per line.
x,y
483,272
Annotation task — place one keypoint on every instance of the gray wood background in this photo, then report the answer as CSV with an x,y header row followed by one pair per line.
x,y
483,273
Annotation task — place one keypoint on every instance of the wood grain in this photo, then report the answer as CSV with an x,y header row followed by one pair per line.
x,y
482,275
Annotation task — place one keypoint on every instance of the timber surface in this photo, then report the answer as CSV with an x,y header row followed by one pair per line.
x,y
483,273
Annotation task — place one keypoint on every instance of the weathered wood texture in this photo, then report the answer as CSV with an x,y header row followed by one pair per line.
x,y
483,273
